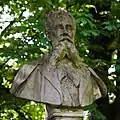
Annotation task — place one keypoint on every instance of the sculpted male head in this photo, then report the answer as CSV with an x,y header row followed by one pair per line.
x,y
60,26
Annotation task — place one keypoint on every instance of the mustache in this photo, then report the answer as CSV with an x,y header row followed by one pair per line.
x,y
66,37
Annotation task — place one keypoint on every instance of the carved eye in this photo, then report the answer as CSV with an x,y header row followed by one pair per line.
x,y
69,27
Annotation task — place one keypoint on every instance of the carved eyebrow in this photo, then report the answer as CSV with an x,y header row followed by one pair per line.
x,y
59,26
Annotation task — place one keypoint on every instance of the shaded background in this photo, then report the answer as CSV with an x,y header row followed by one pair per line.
x,y
22,27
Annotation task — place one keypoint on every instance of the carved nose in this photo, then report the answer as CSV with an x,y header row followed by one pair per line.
x,y
65,31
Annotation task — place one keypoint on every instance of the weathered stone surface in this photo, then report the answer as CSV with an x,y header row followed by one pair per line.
x,y
63,113
59,78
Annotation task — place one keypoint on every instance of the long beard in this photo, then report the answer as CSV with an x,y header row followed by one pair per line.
x,y
66,50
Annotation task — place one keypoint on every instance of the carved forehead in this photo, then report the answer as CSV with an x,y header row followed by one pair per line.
x,y
56,16
63,20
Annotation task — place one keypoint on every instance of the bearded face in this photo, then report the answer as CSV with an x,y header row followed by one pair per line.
x,y
63,33
61,29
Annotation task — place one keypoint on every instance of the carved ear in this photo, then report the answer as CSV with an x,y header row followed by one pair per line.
x,y
48,33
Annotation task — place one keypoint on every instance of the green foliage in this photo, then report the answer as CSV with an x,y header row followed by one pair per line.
x,y
117,67
94,110
22,26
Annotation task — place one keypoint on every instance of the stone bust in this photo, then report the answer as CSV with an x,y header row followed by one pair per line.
x,y
60,77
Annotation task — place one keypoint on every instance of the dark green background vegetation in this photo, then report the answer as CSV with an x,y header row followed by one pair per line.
x,y
23,39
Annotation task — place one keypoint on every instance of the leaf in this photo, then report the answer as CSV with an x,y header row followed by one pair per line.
x,y
110,27
85,33
117,67
83,20
95,33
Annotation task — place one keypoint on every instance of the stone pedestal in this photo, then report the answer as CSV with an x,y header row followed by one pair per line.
x,y
63,113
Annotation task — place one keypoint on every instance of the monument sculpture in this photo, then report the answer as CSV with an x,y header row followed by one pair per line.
x,y
60,79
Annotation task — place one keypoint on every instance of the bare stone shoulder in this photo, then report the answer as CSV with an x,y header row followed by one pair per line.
x,y
24,72
99,81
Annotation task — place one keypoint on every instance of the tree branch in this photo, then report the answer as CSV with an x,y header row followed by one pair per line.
x,y
11,23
